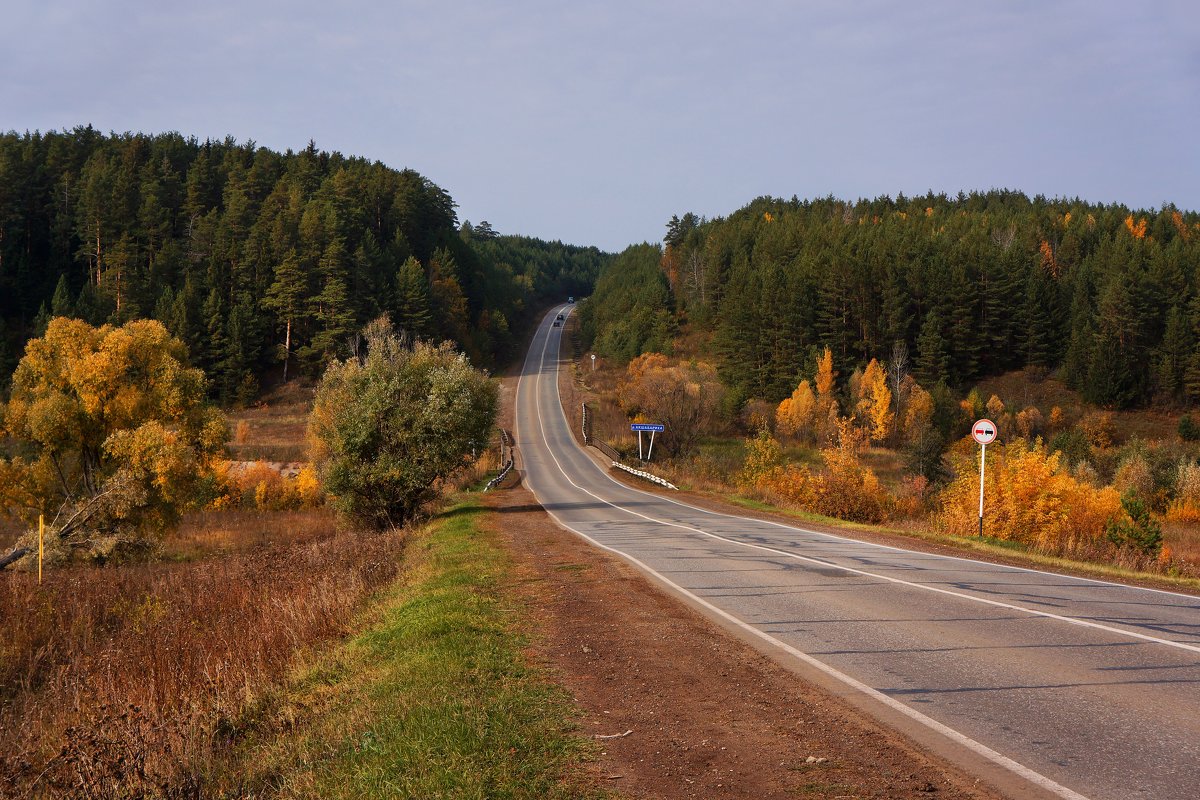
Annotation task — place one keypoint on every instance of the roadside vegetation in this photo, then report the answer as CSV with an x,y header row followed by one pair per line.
x,y
433,697
829,357
187,586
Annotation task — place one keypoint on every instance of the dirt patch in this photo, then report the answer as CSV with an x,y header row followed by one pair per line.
x,y
708,715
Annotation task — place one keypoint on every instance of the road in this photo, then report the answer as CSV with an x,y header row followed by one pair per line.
x,y
1048,685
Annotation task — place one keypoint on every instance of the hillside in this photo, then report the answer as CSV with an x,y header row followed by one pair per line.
x,y
261,262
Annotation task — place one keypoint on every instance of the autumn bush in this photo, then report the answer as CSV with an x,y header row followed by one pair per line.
x,y
1185,507
259,485
844,489
1031,498
129,681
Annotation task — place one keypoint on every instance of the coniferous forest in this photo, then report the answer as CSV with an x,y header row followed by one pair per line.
x,y
973,285
261,262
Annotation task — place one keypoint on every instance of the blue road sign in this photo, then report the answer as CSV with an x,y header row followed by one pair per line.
x,y
645,426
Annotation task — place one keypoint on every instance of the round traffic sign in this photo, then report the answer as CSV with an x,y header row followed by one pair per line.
x,y
984,431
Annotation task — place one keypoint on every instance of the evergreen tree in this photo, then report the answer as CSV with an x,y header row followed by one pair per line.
x,y
286,298
933,362
1173,354
61,304
412,299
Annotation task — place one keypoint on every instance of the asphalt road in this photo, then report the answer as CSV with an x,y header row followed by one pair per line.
x,y
1069,687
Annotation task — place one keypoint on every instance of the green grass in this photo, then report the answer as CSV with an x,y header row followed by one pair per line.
x,y
435,698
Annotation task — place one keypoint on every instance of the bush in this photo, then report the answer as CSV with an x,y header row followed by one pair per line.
x,y
388,430
1073,444
846,489
1185,507
1137,530
1030,498
1189,431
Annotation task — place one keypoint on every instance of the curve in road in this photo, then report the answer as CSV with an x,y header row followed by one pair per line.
x,y
1079,688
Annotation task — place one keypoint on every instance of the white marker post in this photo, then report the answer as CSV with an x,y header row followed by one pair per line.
x,y
984,432
593,362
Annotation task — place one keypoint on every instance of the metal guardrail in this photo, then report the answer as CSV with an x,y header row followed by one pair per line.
x,y
645,475
506,440
608,451
603,447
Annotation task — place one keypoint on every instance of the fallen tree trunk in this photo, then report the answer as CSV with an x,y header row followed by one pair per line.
x,y
15,555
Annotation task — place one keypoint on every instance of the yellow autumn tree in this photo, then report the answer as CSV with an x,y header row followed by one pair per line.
x,y
683,396
115,431
795,415
826,414
1031,498
875,402
918,412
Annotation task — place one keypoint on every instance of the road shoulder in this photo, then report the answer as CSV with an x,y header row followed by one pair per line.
x,y
706,714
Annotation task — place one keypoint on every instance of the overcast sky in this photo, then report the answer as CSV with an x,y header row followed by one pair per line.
x,y
594,122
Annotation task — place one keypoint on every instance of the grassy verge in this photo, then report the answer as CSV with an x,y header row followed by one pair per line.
x,y
434,698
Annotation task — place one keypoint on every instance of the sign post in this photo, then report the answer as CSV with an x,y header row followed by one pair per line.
x,y
593,362
984,432
646,426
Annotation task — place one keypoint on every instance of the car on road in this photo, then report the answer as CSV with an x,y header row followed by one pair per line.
x,y
557,323
560,317
571,299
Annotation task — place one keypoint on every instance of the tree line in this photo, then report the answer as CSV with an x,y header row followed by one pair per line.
x,y
969,286
255,259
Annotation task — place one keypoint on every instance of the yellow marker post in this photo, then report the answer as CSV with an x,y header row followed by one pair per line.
x,y
41,538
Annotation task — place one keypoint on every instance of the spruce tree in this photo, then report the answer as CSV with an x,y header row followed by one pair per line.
x,y
412,299
933,362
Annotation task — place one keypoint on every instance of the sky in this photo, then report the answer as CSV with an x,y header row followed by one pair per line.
x,y
594,122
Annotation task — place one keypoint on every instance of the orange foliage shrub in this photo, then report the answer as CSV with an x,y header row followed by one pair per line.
x,y
795,415
1030,499
764,456
1185,508
1030,422
846,489
1134,475
875,401
261,486
918,412
1099,428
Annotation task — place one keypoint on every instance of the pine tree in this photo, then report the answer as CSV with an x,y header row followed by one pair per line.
x,y
61,304
412,299
286,297
1172,355
933,362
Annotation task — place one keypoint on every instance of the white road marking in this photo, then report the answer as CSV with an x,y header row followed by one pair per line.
x,y
1028,774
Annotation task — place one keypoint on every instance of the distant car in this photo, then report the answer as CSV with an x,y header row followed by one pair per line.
x,y
570,299
557,323
560,316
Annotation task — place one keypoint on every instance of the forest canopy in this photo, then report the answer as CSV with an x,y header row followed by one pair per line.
x,y
973,286
255,259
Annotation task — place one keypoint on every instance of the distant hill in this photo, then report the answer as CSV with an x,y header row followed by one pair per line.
x,y
973,286
242,251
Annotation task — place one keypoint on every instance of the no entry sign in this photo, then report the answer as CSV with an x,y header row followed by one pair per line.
x,y
984,431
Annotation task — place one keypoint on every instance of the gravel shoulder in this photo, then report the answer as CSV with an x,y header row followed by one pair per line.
x,y
682,709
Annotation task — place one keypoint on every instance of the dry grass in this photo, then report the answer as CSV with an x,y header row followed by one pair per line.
x,y
1021,389
274,429
1182,542
130,681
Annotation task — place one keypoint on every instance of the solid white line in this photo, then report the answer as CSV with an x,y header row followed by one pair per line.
x,y
983,750
853,570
